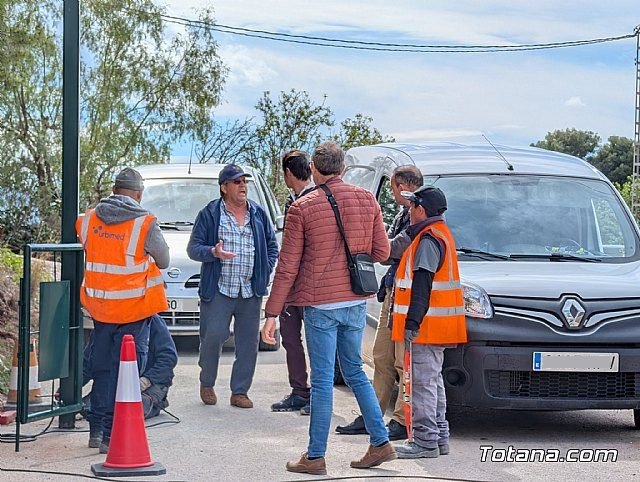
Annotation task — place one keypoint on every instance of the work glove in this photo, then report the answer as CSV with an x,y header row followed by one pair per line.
x,y
409,336
144,383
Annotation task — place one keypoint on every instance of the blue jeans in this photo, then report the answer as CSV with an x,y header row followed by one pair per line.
x,y
326,331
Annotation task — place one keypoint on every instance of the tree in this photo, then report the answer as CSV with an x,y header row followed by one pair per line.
x,y
139,94
358,131
30,121
570,141
615,159
293,121
227,143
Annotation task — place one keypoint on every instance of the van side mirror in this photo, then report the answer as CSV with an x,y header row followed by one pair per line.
x,y
279,223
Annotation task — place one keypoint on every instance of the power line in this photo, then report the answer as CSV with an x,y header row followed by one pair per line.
x,y
381,46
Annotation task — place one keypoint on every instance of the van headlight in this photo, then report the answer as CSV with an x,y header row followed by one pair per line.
x,y
476,301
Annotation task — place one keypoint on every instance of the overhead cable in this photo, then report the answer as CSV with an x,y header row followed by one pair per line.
x,y
382,46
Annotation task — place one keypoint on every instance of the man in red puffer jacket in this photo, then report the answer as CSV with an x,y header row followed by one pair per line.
x,y
312,272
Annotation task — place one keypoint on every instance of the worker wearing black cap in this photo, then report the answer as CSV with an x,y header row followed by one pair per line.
x,y
428,315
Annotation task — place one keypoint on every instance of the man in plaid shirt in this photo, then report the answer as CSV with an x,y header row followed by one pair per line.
x,y
234,240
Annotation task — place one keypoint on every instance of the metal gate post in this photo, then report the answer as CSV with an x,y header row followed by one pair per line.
x,y
70,186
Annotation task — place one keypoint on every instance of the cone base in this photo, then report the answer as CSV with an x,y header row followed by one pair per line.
x,y
101,471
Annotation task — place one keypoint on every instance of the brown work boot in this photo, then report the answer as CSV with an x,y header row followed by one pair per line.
x,y
241,400
306,466
208,396
375,456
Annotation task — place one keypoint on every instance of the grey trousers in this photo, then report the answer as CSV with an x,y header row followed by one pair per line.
x,y
430,427
215,321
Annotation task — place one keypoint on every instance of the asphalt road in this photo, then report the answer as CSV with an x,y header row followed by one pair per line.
x,y
224,443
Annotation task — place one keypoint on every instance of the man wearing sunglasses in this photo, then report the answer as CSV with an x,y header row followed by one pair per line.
x,y
234,240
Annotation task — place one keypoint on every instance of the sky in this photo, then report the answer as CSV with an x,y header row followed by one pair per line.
x,y
513,98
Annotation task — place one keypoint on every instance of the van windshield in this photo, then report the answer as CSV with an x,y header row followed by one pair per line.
x,y
178,201
537,217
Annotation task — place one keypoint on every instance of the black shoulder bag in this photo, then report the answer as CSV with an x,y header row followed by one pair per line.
x,y
361,270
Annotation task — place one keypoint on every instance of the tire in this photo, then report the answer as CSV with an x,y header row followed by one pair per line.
x,y
262,346
636,418
338,379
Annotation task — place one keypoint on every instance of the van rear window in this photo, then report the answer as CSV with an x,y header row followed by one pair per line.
x,y
180,200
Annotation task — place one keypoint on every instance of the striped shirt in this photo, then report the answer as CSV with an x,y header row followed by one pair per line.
x,y
236,274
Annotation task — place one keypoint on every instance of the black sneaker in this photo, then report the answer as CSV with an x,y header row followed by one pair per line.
x,y
104,445
354,428
95,437
290,403
306,410
397,431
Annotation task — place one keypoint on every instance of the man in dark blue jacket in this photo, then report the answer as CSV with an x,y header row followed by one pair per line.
x,y
235,241
155,381
157,376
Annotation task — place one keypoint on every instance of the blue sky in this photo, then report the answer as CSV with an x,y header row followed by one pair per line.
x,y
513,98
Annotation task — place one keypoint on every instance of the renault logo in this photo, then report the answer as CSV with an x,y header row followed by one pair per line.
x,y
573,313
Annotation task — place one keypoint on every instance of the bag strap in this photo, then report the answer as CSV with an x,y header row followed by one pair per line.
x,y
336,212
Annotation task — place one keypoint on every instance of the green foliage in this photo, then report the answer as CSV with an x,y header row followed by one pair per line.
x,y
140,93
292,121
11,262
388,203
615,159
358,131
570,141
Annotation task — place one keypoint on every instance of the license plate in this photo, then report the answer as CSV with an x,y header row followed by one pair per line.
x,y
545,361
184,304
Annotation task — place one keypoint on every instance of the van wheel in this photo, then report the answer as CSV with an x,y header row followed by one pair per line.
x,y
262,346
636,418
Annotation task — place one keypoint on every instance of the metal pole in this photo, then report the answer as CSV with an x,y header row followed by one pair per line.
x,y
70,188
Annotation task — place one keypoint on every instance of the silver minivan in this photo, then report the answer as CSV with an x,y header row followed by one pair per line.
x,y
175,193
550,265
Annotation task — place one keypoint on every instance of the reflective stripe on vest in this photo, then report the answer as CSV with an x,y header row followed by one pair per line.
x,y
85,226
116,269
135,236
403,310
124,294
437,285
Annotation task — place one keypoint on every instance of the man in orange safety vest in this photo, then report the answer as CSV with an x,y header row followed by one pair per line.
x,y
122,288
428,315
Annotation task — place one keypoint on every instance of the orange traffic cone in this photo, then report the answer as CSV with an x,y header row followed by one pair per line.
x,y
35,402
128,454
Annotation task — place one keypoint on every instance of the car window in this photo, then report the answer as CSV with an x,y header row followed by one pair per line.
x,y
387,202
360,176
608,228
519,214
180,200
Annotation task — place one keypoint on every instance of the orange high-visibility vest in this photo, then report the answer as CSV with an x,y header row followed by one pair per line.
x,y
444,321
122,283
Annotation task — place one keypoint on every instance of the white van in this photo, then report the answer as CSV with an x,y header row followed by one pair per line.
x,y
550,264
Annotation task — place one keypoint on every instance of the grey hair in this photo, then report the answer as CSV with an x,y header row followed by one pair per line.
x,y
328,158
409,175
